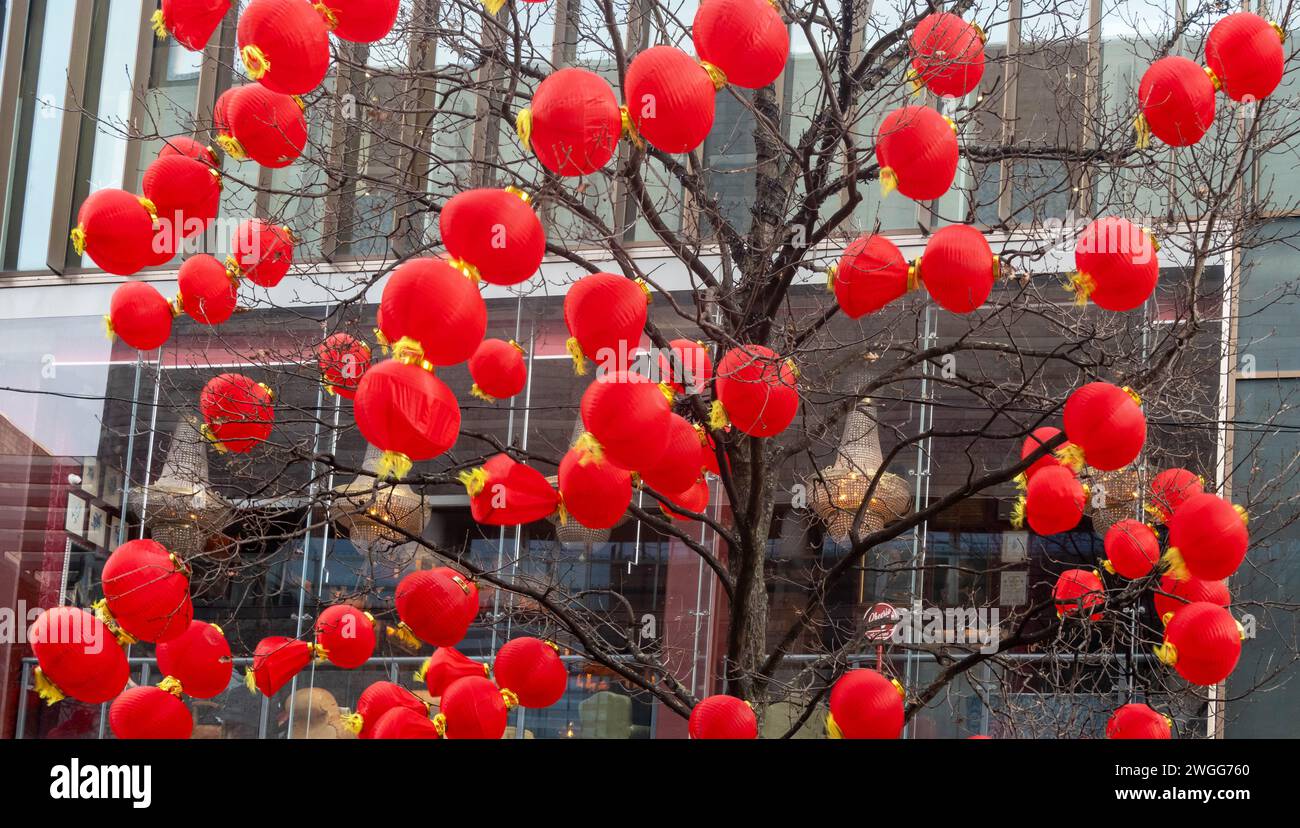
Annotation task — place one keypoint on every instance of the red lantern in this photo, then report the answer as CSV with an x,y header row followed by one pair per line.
x,y
276,660
596,493
1174,594
346,634
745,39
186,194
503,492
871,274
1137,721
1170,489
343,360
1177,101
77,657
1207,538
917,153
1079,591
472,708
670,98
532,671
199,659
150,713
573,124
116,229
208,291
605,315
498,369
147,590
262,251
948,54
866,705
378,699
686,364
709,450
1202,642
402,723
256,123
627,416
407,413
722,717
1132,549
437,605
756,391
1244,54
1106,425
680,464
140,316
493,234
189,148
1035,441
1053,502
435,305
1116,265
694,500
284,45
958,268
360,21
237,413
445,666
191,22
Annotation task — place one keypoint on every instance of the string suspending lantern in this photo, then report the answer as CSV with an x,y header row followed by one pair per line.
x,y
1174,594
916,150
1176,97
1137,721
958,268
947,54
866,705
361,21
276,660
532,670
343,360
1078,592
745,40
1132,549
505,492
436,605
77,657
670,98
693,500
1207,538
150,713
262,252
1053,502
573,124
595,492
346,634
284,45
871,274
116,230
626,416
406,412
199,659
1202,643
1170,489
208,290
191,22
473,708
756,391
1243,53
605,314
255,123
722,717
1106,426
1116,265
237,413
140,316
447,664
498,370
437,307
377,700
493,235
147,591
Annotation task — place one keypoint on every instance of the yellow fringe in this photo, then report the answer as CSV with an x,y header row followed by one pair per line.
x,y
914,275
1241,513
172,685
888,181
353,722
524,129
250,680
579,359
1108,566
481,394
474,480
470,271
1018,514
629,128
492,6
439,720
718,416
78,236
1081,285
511,700
1143,140
47,689
424,670
833,730
1173,559
668,392
1022,482
408,350
331,19
404,636
1167,653
256,63
230,146
109,333
589,448
1070,456
716,75
830,277
393,464
159,25
102,612
206,431
561,511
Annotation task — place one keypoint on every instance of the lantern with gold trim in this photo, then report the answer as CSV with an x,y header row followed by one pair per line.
x,y
1079,592
262,252
189,148
237,413
1053,502
1138,721
147,591
746,40
1174,594
1036,439
917,152
403,723
436,606
681,464
198,659
209,290
276,660
722,717
866,705
573,124
756,391
504,492
498,370
474,708
1202,642
670,98
1132,549
254,123
693,500
605,315
1177,101
406,412
360,21
493,234
1116,265
140,316
1207,538
626,416
871,274
77,657
531,669
285,44
1243,53
116,230
191,22
686,366
595,492
1106,426
151,713
437,307
378,699
346,634
958,268
447,664
947,54
186,194
1169,489
343,360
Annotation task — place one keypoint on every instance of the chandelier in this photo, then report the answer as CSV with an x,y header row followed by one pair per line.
x,y
377,513
837,492
180,508
1122,498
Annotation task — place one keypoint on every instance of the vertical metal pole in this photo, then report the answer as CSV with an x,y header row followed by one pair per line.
x,y
130,453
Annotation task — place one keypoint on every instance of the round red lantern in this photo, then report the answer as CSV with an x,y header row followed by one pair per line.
x,y
140,316
626,416
1243,53
1054,500
188,147
680,464
722,717
1079,591
866,705
284,45
77,657
346,634
276,660
445,666
191,22
237,413
670,98
1115,265
947,54
116,229
531,669
756,390
208,290
1106,425
574,123
685,365
267,127
498,370
1036,439
199,659
871,274
1177,100
1132,549
262,252
150,713
1138,721
1174,594
596,493
746,40
504,492
147,590
378,699
472,708
437,605
691,501
406,412
917,153
493,234
605,315
1169,489
1207,538
343,360
958,268
360,21
436,306
186,194
403,723
1202,642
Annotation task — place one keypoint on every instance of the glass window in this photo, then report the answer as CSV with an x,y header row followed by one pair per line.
x,y
1267,339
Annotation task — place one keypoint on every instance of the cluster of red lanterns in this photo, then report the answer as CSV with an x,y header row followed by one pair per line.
x,y
958,269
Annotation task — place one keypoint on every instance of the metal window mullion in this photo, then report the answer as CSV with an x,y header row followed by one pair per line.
x,y
10,80
1091,104
417,126
635,38
141,70
56,258
1011,84
487,128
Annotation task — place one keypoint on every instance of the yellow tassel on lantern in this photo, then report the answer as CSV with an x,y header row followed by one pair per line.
x,y
914,78
440,725
524,129
1021,481
1108,566
509,697
230,146
579,359
1241,513
668,392
1173,559
629,128
172,685
353,722
109,333
250,680
393,464
561,512
716,75
159,25
1167,653
1071,456
468,270
833,730
492,6
101,611
718,416
206,431
830,277
1081,285
888,181
78,237
424,670
589,449
1143,140
481,394
256,63
403,635
474,480
178,306
914,274
331,19
382,340
320,652
46,689
1018,514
